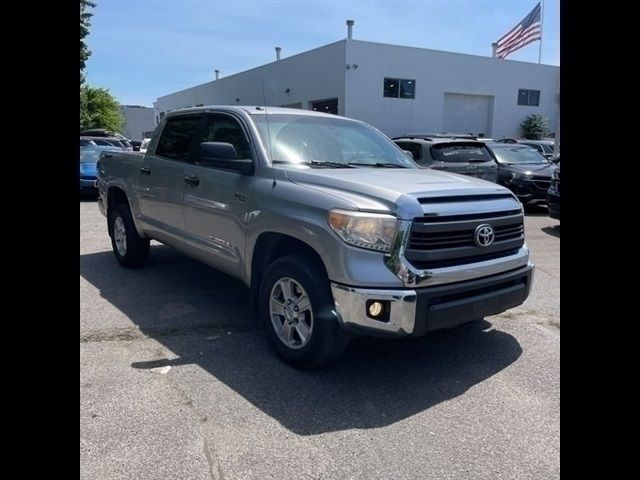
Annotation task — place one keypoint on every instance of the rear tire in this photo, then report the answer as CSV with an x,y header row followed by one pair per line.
x,y
297,312
131,250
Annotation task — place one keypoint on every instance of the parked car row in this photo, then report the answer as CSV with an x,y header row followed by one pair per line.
x,y
512,163
108,138
89,155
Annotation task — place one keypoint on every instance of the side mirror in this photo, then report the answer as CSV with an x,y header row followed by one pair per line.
x,y
409,154
224,155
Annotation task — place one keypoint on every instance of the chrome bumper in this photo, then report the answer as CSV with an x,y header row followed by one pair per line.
x,y
413,312
351,307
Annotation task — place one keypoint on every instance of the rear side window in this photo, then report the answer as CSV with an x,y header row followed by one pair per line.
x,y
176,137
460,152
414,148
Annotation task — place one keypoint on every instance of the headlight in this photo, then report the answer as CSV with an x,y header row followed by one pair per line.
x,y
374,231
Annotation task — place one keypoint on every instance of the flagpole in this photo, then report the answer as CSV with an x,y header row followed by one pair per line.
x,y
541,26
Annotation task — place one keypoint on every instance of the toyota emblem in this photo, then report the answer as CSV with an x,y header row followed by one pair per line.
x,y
484,235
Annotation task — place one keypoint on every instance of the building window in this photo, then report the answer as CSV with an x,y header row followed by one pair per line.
x,y
529,97
399,88
326,106
407,88
391,87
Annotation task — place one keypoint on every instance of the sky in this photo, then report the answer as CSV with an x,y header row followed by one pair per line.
x,y
144,49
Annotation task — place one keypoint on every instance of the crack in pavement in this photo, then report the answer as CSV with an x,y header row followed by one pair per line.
x,y
133,333
535,316
215,470
214,465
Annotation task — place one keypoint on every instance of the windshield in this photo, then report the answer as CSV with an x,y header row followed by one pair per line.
x,y
519,155
329,142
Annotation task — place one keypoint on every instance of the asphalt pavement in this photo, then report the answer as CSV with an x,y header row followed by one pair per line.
x,y
177,382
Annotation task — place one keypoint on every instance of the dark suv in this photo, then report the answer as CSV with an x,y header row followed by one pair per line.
x,y
456,154
524,171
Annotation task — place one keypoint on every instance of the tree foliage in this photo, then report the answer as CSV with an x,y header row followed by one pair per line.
x,y
534,127
85,23
99,109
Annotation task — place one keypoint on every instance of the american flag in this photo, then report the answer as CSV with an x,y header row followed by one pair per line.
x,y
527,31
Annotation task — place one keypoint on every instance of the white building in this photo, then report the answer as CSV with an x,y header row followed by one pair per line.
x,y
137,121
397,89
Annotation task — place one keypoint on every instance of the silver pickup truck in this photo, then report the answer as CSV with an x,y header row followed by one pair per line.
x,y
335,231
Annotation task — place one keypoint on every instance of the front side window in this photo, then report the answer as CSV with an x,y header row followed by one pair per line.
x,y
223,128
177,136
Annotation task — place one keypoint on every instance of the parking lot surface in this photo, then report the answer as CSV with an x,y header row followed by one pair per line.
x,y
177,382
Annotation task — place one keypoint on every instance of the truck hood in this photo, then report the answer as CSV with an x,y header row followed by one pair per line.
x,y
386,189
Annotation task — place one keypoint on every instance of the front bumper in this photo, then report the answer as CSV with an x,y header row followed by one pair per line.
x,y
527,191
414,312
88,185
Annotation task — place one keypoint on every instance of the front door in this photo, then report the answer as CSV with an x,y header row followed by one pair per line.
x,y
161,179
216,200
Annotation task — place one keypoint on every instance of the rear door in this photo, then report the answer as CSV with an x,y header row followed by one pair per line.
x,y
466,158
161,180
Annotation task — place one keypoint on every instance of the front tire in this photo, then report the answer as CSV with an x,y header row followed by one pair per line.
x,y
298,313
131,250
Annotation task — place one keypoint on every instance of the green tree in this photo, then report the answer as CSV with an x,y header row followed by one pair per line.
x,y
85,23
534,127
99,109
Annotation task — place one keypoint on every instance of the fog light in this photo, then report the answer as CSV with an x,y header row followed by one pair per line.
x,y
375,309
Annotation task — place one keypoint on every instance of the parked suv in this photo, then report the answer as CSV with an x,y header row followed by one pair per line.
x,y
524,171
458,154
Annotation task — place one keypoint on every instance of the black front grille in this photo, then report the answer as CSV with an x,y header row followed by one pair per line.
x,y
438,242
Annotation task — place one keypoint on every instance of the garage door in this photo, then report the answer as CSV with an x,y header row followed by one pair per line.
x,y
467,113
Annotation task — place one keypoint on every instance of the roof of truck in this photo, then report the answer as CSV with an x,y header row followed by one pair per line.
x,y
253,110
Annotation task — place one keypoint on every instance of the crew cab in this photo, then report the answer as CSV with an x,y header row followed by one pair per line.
x,y
334,230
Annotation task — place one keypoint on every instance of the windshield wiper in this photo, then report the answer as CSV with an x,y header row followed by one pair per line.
x,y
378,164
316,163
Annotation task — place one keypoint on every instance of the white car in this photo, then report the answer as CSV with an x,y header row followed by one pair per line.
x,y
144,145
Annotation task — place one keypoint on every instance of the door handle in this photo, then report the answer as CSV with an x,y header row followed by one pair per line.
x,y
192,180
145,171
